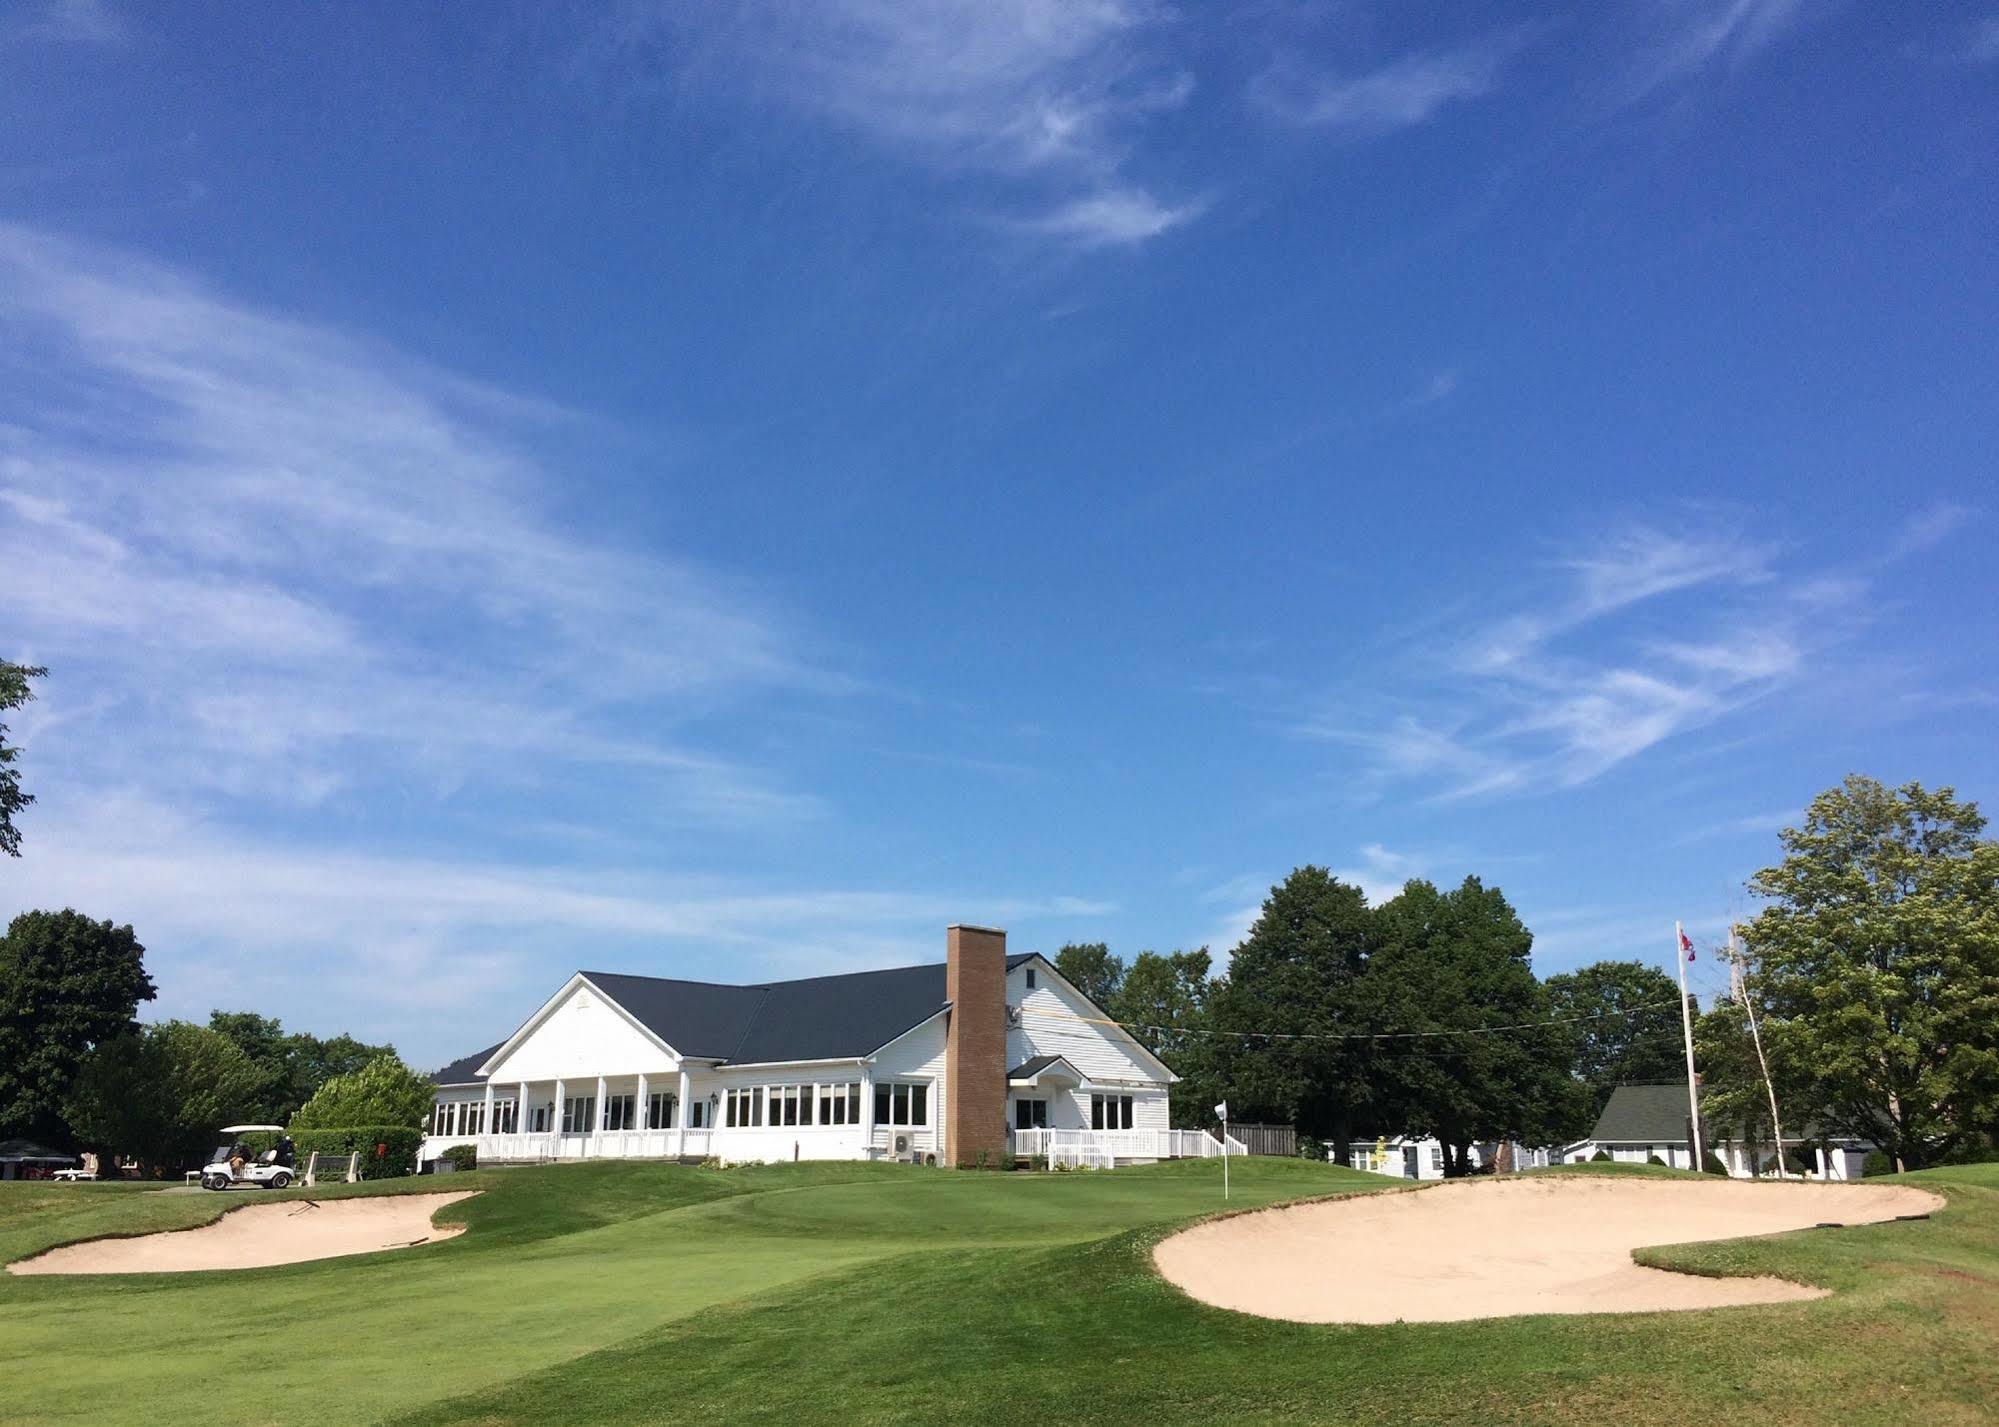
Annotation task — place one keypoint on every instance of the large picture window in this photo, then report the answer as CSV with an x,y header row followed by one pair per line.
x,y
659,1110
1030,1114
1110,1112
579,1113
619,1112
902,1102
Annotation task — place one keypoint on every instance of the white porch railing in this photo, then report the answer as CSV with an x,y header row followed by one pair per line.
x,y
1102,1148
606,1144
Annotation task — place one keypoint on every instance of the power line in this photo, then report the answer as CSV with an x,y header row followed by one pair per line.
x,y
1359,1035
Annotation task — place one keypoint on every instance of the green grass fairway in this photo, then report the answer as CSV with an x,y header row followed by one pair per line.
x,y
629,1293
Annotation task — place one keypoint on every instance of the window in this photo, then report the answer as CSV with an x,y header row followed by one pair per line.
x,y
1436,1156
1030,1114
579,1114
474,1118
881,1104
618,1112
659,1110
786,1098
826,1107
505,1119
1110,1112
854,1103
1030,978
538,1120
745,1107
898,1102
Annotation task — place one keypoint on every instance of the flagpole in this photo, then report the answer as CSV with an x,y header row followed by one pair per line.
x,y
1687,1029
1225,1159
1742,988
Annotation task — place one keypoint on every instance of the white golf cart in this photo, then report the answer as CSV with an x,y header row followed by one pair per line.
x,y
231,1166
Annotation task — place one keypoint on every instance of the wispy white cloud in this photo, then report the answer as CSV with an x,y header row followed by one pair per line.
x,y
1699,35
1051,94
442,954
1402,94
299,562
1928,528
1114,217
1615,661
81,22
1982,46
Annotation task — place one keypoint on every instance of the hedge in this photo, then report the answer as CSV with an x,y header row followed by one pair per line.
x,y
387,1151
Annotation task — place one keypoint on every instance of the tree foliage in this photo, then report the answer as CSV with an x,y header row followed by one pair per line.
x,y
1293,981
1615,1042
1163,1000
382,1092
1091,969
1877,965
290,1067
1455,965
67,984
15,690
161,1094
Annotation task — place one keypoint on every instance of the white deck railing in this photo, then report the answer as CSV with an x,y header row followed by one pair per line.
x,y
605,1144
1102,1148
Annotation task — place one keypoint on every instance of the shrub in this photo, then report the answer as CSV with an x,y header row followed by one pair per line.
x,y
1654,1159
461,1156
1037,1161
1008,1160
382,1092
1600,1157
387,1151
1877,1162
1711,1163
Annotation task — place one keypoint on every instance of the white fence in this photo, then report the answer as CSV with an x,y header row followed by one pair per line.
x,y
607,1144
1100,1149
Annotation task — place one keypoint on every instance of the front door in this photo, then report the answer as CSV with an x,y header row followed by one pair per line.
x,y
1409,1162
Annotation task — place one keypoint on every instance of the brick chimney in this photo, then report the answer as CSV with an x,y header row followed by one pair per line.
x,y
975,1045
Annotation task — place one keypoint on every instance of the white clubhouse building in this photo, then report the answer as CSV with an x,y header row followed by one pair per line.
x,y
952,1063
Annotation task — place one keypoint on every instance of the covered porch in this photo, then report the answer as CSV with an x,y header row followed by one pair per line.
x,y
637,1116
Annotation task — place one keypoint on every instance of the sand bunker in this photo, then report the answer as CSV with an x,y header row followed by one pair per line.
x,y
1497,1249
260,1235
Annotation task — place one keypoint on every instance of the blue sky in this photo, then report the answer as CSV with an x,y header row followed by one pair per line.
x,y
727,491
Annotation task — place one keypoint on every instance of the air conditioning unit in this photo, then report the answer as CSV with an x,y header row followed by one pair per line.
x,y
900,1148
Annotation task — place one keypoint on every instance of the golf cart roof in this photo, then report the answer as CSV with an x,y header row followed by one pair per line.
x,y
239,1129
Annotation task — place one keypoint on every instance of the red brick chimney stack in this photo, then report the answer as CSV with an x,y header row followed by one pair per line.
x,y
975,1045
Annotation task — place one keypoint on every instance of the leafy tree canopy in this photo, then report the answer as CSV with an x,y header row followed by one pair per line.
x,y
290,1067
1091,969
382,1092
15,691
1877,962
1164,1001
1619,1044
1298,974
160,1095
67,983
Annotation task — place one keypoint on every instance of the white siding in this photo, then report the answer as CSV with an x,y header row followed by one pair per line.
x,y
581,1039
1056,1021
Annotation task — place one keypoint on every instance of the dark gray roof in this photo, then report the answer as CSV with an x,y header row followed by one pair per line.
x,y
1027,1069
818,1018
460,1071
1644,1115
28,1151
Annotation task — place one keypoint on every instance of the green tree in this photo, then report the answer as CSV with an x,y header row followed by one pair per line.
x,y
1163,1001
1091,969
1735,1100
161,1094
14,692
382,1092
1878,962
1626,1026
1293,987
290,1068
66,984
1455,965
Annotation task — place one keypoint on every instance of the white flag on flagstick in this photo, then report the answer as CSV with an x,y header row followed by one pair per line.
x,y
1222,1110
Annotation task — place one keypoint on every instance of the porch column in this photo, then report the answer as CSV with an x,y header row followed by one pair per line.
x,y
521,1121
642,1108
682,1109
867,1109
486,1115
555,1116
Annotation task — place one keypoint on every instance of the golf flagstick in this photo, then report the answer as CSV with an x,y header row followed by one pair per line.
x,y
1223,1111
1683,952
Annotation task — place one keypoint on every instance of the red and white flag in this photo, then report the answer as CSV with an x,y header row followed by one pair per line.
x,y
1686,943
